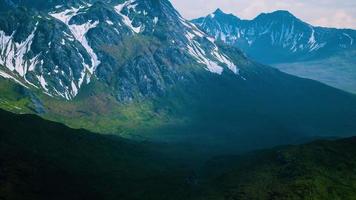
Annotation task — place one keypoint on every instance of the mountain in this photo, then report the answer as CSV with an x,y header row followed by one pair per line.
x,y
277,37
289,44
137,69
46,160
63,46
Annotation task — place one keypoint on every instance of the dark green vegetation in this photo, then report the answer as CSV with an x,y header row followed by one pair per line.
x,y
45,160
322,170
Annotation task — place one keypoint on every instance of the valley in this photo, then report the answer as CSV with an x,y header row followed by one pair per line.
x,y
46,160
336,71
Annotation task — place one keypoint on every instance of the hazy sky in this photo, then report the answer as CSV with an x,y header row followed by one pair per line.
x,y
331,13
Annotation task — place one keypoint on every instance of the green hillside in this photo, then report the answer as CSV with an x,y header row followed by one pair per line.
x,y
322,170
45,160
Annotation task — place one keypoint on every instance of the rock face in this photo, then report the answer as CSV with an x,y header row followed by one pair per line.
x,y
277,37
136,47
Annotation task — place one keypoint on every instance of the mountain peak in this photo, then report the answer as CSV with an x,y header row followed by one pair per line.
x,y
221,15
283,13
277,14
281,28
219,11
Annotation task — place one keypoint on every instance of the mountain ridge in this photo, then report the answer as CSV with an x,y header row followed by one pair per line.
x,y
281,31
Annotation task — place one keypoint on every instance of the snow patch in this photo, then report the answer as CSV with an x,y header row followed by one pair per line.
x,y
13,54
127,21
109,22
79,32
223,59
66,15
351,39
213,61
312,41
43,82
155,20
74,89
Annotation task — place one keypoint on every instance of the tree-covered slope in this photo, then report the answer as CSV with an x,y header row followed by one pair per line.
x,y
45,160
322,170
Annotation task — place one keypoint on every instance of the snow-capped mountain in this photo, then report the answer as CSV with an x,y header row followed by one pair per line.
x,y
137,67
58,46
277,37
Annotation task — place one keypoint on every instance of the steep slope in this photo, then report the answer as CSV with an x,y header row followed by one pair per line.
x,y
319,170
138,69
64,46
277,37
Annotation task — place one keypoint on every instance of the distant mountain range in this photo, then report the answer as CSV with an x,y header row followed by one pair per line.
x,y
280,39
277,37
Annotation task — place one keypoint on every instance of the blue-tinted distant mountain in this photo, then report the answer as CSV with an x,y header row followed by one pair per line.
x,y
277,37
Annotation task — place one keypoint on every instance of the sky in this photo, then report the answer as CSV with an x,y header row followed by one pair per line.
x,y
328,13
